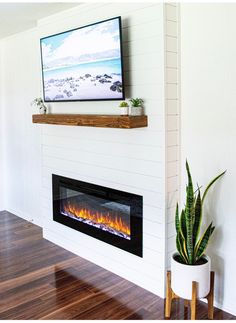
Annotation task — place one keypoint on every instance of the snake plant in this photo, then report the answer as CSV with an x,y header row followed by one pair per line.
x,y
190,246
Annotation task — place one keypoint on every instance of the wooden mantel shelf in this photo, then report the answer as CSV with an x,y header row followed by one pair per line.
x,y
92,120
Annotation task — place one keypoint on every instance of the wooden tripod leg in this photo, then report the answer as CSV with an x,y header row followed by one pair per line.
x,y
210,297
194,300
168,295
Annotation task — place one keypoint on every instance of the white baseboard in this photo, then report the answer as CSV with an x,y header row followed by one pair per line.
x,y
24,216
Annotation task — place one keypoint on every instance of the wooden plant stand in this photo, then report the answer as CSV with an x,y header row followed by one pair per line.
x,y
170,295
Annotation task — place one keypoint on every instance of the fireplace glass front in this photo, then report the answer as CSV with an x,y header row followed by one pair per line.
x,y
112,216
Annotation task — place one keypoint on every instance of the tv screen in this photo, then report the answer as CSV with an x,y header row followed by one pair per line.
x,y
84,64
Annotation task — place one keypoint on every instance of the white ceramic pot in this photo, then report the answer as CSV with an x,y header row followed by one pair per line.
x,y
136,111
182,277
124,111
43,109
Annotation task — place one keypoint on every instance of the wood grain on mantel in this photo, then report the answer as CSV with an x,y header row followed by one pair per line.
x,y
92,120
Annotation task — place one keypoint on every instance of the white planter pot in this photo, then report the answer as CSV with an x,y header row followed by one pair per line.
x,y
124,111
43,110
136,111
182,277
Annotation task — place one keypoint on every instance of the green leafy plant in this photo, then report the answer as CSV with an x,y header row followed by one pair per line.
x,y
38,102
123,104
136,102
188,224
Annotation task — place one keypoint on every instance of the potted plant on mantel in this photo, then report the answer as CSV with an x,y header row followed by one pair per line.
x,y
136,107
124,108
190,263
38,102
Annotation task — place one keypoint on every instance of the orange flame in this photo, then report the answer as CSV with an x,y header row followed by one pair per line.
x,y
115,223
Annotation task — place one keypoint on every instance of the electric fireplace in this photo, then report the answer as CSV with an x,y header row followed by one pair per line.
x,y
112,216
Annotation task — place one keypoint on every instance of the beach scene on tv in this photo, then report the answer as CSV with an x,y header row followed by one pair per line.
x,y
83,64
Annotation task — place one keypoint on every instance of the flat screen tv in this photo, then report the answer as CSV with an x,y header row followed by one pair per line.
x,y
84,64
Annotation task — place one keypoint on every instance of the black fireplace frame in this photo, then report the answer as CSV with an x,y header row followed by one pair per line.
x,y
134,245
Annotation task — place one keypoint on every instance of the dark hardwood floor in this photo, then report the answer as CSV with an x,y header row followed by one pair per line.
x,y
39,280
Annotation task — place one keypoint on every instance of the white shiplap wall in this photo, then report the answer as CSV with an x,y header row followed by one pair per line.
x,y
2,164
20,75
172,96
129,160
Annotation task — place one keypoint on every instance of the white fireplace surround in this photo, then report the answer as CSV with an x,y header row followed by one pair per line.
x,y
141,161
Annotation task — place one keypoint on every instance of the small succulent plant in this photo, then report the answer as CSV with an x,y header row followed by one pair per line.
x,y
136,102
37,101
123,104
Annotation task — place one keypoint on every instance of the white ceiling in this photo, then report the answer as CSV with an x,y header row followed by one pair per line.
x,y
17,17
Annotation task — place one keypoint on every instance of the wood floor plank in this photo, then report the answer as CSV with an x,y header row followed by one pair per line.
x,y
39,280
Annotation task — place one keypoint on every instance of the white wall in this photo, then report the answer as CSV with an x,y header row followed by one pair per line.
x,y
22,140
132,160
2,166
208,126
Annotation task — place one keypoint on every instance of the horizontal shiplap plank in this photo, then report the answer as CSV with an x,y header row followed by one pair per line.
x,y
171,214
172,168
172,123
171,60
172,153
150,13
172,106
171,44
150,45
172,196
149,183
148,168
171,243
60,22
154,229
144,62
152,91
104,148
171,229
128,136
171,12
172,138
171,28
153,214
142,31
172,187
172,91
171,75
144,77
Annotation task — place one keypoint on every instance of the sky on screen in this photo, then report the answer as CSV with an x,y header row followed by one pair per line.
x,y
85,41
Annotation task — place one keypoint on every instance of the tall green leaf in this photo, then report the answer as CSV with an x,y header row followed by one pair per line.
x,y
197,217
189,214
183,224
203,242
177,218
180,247
210,184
